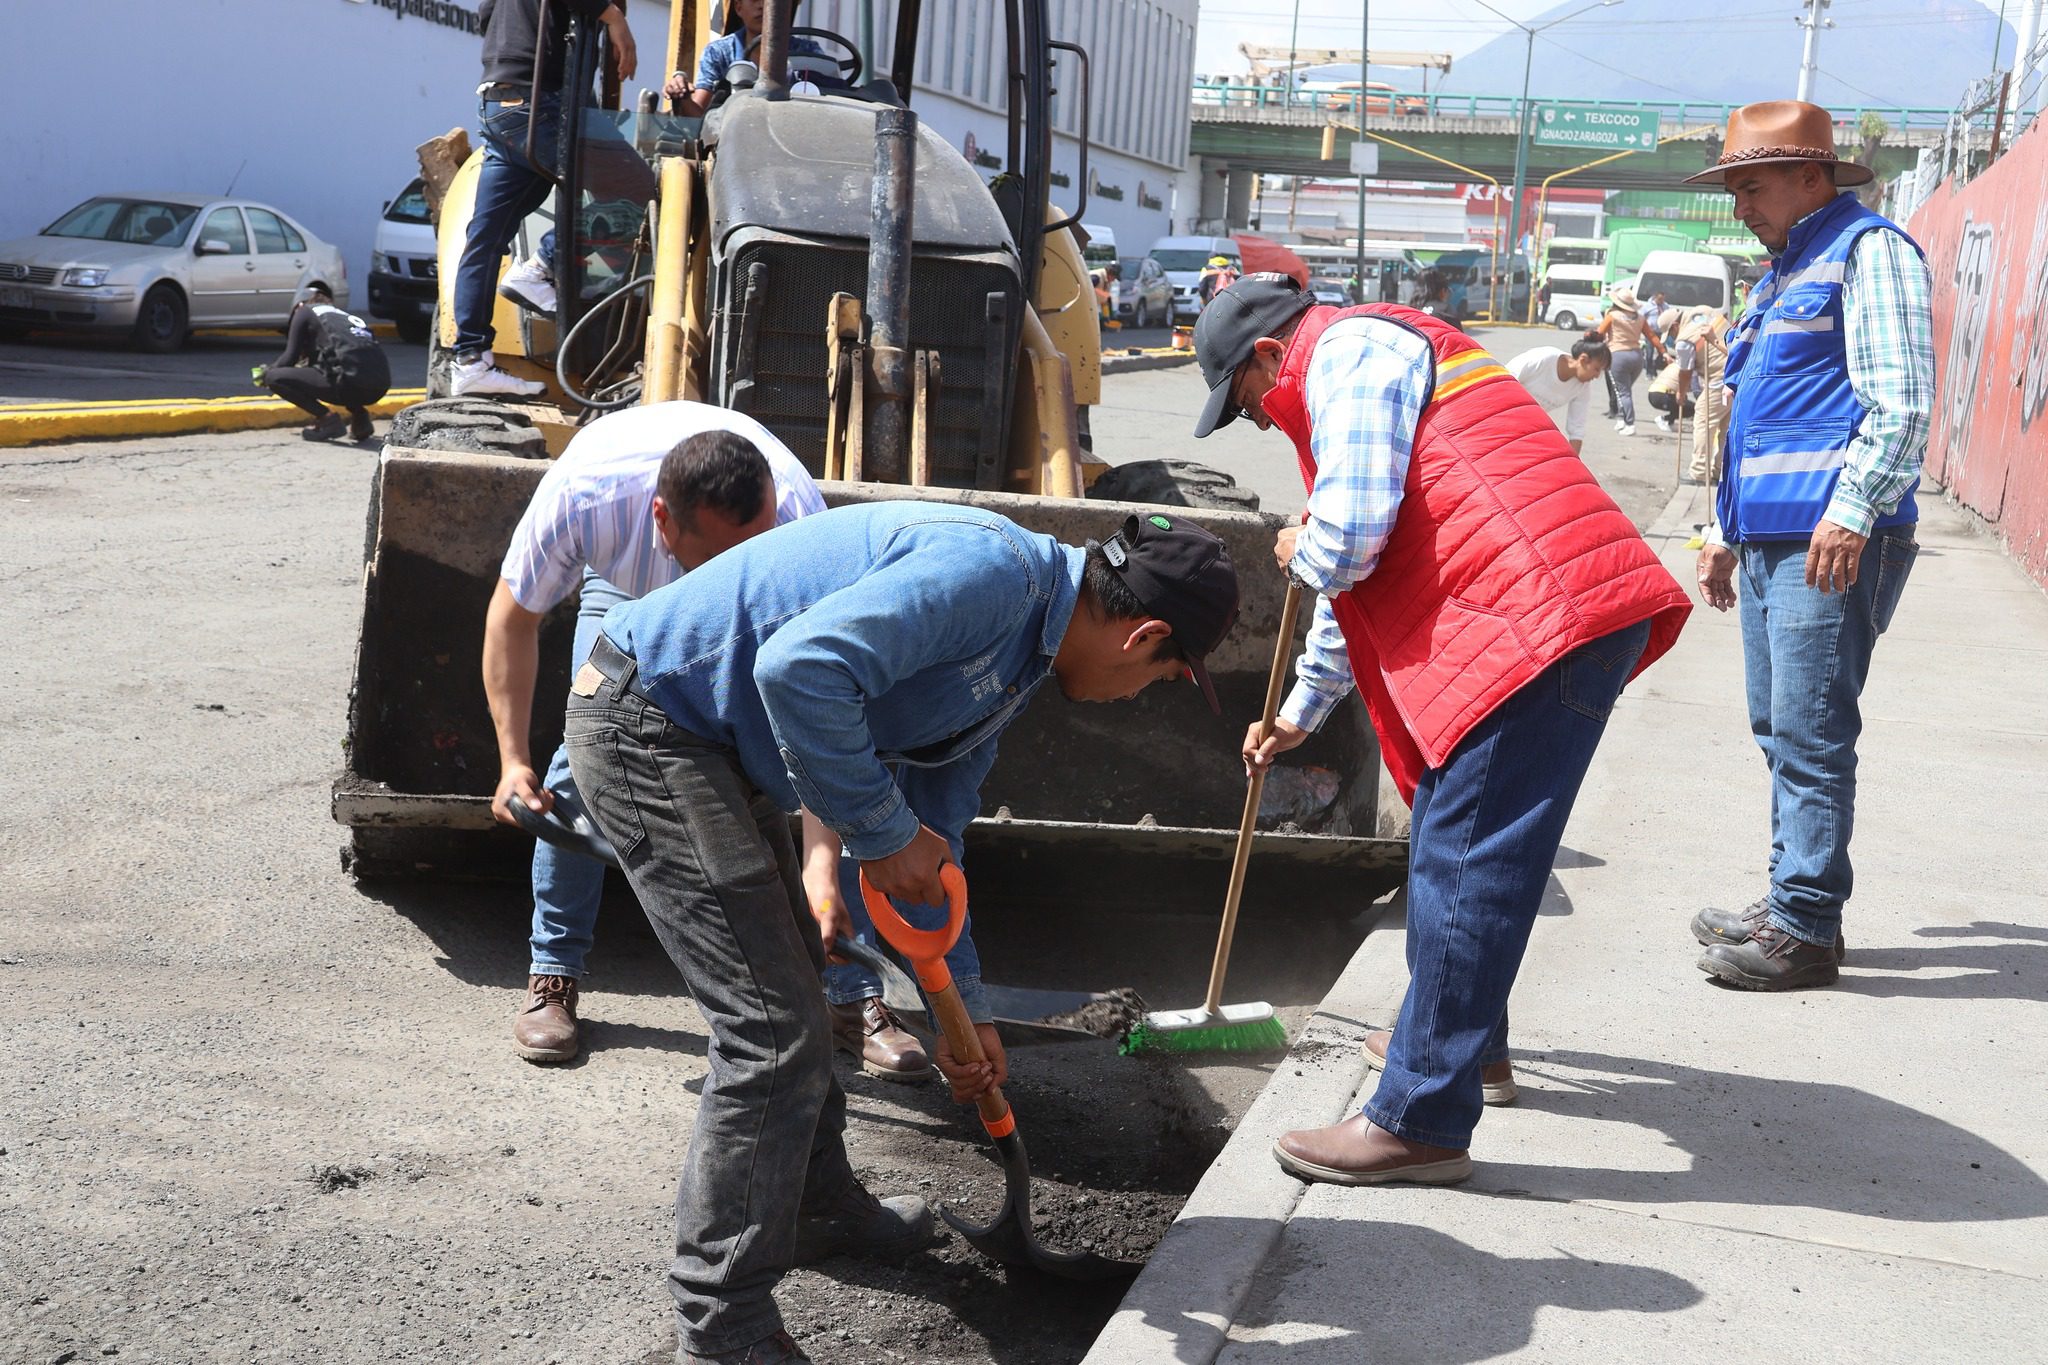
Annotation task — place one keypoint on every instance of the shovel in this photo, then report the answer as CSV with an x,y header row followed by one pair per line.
x,y
1008,1240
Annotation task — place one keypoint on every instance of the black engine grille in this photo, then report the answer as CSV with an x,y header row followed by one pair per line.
x,y
782,349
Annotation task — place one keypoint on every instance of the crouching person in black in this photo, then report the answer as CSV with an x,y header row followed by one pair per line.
x,y
329,357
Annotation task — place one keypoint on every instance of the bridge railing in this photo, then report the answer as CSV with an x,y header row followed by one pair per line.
x,y
1273,103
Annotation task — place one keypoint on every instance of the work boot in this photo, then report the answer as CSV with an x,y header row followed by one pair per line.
x,y
1496,1079
360,427
529,285
1359,1152
858,1224
332,427
545,1028
1771,960
869,1030
780,1349
1713,925
478,376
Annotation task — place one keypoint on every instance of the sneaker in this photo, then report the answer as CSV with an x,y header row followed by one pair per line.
x,y
1771,960
1496,1080
529,285
480,375
360,427
1714,925
869,1030
859,1224
544,1030
1626,428
332,427
1664,423
780,1349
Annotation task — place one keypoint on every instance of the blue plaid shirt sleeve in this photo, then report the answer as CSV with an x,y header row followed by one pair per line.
x,y
1890,327
1367,383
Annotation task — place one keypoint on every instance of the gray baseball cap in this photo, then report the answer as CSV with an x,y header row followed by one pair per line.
x,y
1256,306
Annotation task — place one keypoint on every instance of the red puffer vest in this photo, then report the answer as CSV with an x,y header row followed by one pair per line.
x,y
1506,556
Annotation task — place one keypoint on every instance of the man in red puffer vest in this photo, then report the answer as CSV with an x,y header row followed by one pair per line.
x,y
1489,600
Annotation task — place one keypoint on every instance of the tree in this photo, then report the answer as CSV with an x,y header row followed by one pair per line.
x,y
1871,130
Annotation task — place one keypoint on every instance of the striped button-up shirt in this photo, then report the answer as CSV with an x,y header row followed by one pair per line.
x,y
595,505
1888,324
1367,382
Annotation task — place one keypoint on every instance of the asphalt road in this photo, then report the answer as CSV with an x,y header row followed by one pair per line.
x,y
49,368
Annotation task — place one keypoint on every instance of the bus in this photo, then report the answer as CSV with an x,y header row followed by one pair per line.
x,y
1572,251
1626,248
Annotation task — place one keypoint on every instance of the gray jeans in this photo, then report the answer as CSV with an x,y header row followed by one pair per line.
x,y
714,865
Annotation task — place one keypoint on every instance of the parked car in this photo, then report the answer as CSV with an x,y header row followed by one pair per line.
x,y
1144,294
1330,291
404,263
1380,98
158,265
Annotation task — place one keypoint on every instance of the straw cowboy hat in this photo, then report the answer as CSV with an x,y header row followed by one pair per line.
x,y
1624,298
1779,132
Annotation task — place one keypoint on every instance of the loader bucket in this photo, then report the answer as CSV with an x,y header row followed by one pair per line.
x,y
1149,789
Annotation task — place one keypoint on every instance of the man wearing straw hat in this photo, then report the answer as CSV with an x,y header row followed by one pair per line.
x,y
1831,378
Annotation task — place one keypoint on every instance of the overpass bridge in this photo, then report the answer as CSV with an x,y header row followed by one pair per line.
x,y
1258,129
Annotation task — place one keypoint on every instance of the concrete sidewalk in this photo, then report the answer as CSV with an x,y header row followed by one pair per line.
x,y
1694,1173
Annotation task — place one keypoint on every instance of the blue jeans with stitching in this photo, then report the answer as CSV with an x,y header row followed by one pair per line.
x,y
1806,655
1486,828
508,188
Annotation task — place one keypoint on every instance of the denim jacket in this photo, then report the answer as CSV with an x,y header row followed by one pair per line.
x,y
830,651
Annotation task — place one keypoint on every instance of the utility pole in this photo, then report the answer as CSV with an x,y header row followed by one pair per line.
x,y
1364,67
1293,46
1813,23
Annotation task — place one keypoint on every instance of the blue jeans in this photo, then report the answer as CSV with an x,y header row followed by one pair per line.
x,y
1485,832
1626,369
567,887
508,188
1805,656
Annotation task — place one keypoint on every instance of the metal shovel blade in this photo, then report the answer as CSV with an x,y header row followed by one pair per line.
x,y
1008,1240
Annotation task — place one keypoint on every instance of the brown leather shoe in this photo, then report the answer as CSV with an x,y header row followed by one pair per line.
x,y
867,1029
1496,1080
1356,1152
780,1349
544,1030
1771,960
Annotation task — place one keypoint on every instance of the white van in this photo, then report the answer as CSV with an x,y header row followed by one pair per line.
x,y
1575,296
402,264
1100,251
1687,279
1183,259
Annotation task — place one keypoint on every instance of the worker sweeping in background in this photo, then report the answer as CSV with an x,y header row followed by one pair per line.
x,y
330,356
1489,600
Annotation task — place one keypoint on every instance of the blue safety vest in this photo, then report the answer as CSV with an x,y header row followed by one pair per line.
x,y
1795,414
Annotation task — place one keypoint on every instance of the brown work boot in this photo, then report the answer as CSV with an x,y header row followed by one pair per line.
x,y
1714,925
1771,960
1358,1152
545,1027
1496,1079
869,1030
780,1349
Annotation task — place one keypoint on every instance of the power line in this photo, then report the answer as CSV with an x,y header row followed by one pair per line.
x,y
1682,94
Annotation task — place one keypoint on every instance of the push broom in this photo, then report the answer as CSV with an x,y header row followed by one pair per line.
x,y
1215,1026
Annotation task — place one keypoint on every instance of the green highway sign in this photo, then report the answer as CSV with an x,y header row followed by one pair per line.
x,y
1595,127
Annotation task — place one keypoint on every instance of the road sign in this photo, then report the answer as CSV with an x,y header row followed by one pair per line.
x,y
1365,158
1595,127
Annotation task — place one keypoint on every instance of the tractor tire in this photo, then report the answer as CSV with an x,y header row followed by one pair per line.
x,y
475,426
1174,483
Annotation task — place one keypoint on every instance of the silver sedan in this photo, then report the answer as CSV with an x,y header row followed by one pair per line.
x,y
158,265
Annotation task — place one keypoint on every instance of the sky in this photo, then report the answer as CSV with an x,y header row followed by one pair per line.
x,y
1454,26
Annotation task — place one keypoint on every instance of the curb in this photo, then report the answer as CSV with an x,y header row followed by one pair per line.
x,y
1181,1307
1164,359
35,423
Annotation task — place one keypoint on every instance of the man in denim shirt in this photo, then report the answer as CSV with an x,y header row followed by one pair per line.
x,y
862,663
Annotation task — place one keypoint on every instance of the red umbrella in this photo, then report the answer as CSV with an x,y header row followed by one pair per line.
x,y
1263,253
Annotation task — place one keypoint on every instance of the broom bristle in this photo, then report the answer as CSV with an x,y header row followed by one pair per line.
x,y
1266,1035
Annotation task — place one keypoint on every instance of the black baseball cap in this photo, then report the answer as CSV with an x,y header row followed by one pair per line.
x,y
1256,306
1183,576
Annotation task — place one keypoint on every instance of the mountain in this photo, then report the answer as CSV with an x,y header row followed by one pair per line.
x,y
1917,53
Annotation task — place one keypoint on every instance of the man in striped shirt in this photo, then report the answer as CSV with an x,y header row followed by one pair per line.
x,y
1831,377
639,498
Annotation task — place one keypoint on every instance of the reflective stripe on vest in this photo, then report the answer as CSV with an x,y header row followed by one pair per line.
x,y
1796,414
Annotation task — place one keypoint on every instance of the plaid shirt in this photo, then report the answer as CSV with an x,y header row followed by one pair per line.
x,y
1367,382
1889,326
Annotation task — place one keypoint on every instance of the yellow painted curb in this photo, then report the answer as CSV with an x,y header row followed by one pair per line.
x,y
32,424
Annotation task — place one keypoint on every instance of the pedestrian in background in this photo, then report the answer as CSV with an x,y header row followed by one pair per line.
x,y
1632,343
1831,380
1489,601
510,186
329,357
1702,349
1561,380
